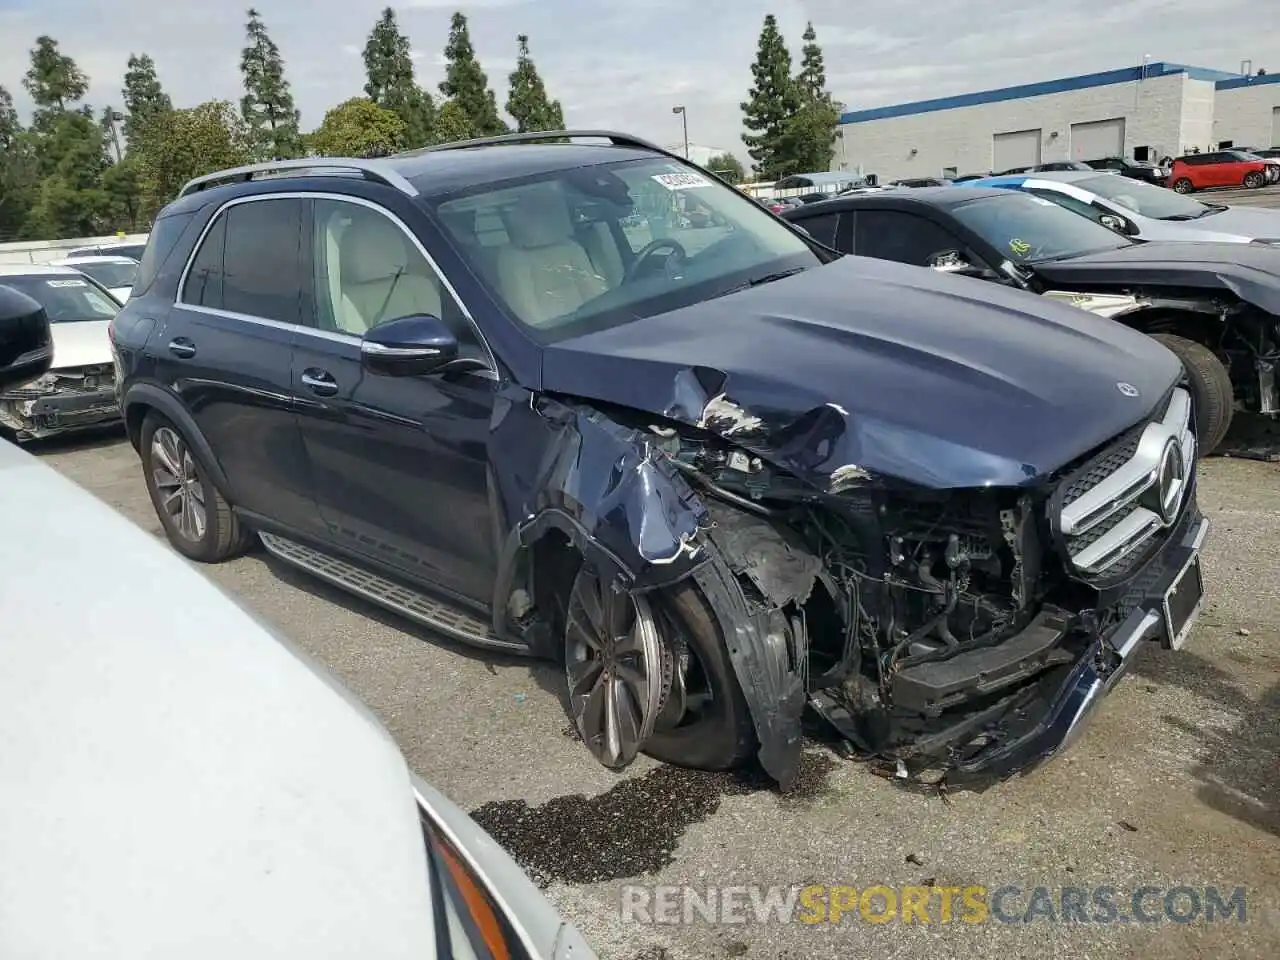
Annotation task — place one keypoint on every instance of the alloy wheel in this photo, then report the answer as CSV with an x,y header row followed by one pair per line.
x,y
177,482
617,667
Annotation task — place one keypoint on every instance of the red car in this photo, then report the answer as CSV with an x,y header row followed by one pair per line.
x,y
1223,168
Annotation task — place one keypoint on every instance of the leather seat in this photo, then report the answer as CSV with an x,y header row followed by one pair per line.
x,y
383,277
544,273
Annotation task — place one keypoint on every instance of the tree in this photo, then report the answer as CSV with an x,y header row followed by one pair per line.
x,y
358,128
183,144
527,100
811,130
728,167
390,82
144,97
452,124
465,81
771,101
267,106
54,81
18,177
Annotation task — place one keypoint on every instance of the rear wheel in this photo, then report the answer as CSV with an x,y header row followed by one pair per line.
x,y
1183,185
196,518
1254,180
1210,385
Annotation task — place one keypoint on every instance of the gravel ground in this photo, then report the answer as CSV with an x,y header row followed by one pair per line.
x,y
1175,781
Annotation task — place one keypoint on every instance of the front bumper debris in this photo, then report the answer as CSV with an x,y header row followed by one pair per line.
x,y
1055,717
58,411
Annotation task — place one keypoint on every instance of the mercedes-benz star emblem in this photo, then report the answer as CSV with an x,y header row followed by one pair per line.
x,y
1128,389
1170,484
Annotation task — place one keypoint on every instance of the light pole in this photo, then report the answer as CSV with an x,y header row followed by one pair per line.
x,y
684,118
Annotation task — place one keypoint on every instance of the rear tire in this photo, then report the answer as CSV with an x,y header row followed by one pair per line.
x,y
1183,185
1211,389
1254,180
721,735
196,517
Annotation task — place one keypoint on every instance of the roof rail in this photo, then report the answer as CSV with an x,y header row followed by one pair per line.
x,y
369,169
536,136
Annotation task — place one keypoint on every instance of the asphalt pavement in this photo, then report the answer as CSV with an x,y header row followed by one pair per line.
x,y
1175,781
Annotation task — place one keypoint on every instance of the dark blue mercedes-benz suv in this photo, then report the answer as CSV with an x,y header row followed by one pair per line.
x,y
584,400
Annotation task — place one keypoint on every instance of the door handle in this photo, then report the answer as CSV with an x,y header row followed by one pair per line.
x,y
182,347
320,383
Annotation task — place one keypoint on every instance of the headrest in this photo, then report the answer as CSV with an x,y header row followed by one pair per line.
x,y
372,248
540,218
461,223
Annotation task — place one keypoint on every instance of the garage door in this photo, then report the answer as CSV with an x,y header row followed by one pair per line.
x,y
1275,126
1097,140
1018,149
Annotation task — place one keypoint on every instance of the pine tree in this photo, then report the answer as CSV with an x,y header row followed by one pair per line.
x,y
267,106
527,100
10,127
771,101
390,81
54,81
466,84
144,97
811,130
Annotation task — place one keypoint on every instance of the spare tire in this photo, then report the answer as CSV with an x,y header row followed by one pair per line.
x,y
1211,389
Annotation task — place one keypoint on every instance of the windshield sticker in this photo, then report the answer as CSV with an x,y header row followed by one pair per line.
x,y
682,181
1020,248
66,283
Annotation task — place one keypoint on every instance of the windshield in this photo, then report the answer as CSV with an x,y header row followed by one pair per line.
x,y
1159,203
110,275
66,299
593,247
1028,229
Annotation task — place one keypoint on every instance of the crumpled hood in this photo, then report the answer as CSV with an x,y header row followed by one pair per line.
x,y
80,344
870,365
1252,272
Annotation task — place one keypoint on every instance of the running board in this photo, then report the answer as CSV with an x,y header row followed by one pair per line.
x,y
449,619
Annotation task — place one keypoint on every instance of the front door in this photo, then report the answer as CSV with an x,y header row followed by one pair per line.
x,y
226,349
400,464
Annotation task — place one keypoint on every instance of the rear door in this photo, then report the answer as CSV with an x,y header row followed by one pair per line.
x,y
227,351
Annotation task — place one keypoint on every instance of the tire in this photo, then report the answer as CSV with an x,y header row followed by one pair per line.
x,y
1183,185
221,535
1210,387
1254,180
724,735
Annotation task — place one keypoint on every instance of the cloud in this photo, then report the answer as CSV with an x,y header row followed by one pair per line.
x,y
623,64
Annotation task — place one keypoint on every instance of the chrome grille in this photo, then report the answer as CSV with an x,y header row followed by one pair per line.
x,y
1117,502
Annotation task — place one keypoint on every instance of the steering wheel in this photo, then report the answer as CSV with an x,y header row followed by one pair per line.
x,y
649,249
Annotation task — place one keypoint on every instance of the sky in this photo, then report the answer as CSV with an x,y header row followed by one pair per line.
x,y
623,64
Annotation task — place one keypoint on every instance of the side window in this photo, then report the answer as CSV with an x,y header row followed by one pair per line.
x,y
1071,203
262,271
904,237
366,271
160,243
203,287
824,229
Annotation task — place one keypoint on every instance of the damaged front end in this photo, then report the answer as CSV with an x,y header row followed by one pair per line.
x,y
62,400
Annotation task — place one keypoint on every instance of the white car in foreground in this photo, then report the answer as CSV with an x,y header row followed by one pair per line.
x,y
117,274
1144,211
79,390
177,781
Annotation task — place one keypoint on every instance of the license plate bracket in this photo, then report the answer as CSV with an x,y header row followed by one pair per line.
x,y
1181,605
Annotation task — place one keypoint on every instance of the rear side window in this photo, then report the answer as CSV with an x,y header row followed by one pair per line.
x,y
160,243
251,261
823,228
904,237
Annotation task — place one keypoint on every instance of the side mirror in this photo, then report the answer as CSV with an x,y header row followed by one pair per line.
x,y
26,344
408,346
1117,223
803,230
953,261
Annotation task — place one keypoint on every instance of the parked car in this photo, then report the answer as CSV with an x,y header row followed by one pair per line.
x,y
179,781
1217,306
1221,168
966,177
131,250
1133,169
115,273
703,481
1060,165
78,391
1146,212
920,182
